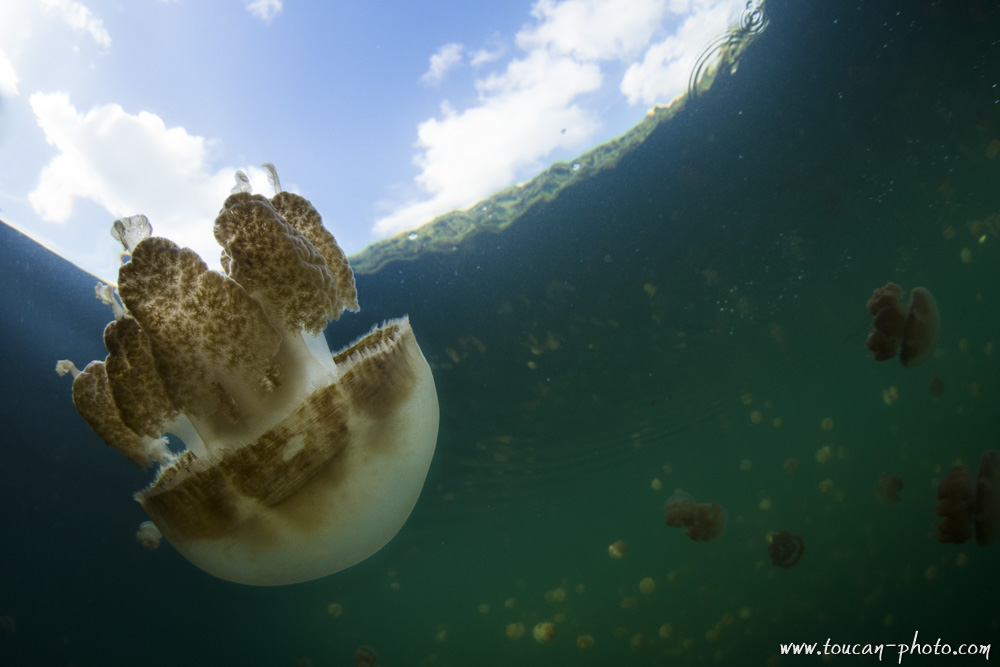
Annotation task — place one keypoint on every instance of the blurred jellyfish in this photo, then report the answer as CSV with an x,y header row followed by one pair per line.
x,y
365,657
617,549
913,332
785,548
968,507
987,516
702,522
515,630
888,488
148,536
956,505
544,632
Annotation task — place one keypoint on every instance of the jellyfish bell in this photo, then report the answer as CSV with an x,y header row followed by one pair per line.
x,y
922,329
298,463
679,509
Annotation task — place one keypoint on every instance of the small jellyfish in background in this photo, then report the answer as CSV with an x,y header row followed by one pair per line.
x,y
912,332
968,507
701,522
936,387
296,462
617,549
888,488
148,536
515,630
365,657
785,548
544,632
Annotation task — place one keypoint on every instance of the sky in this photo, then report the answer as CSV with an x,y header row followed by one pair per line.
x,y
383,113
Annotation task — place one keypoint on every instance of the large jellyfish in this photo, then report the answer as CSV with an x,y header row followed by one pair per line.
x,y
298,463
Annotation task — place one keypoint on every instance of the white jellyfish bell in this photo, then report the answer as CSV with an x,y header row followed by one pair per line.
x,y
298,463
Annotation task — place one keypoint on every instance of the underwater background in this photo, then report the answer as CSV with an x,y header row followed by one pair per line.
x,y
692,316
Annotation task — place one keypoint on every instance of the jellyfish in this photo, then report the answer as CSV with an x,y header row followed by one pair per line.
x,y
515,630
148,536
987,516
785,548
968,507
912,332
544,632
888,488
617,549
702,522
365,657
956,505
297,462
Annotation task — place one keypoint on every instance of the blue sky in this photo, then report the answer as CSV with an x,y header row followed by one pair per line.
x,y
383,113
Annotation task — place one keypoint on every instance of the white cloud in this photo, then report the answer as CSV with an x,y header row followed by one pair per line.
x,y
78,17
666,67
537,103
265,10
523,115
8,77
447,57
484,56
593,29
128,164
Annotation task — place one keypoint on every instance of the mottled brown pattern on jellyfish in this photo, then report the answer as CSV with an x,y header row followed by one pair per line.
x,y
138,390
301,215
94,401
277,264
206,334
